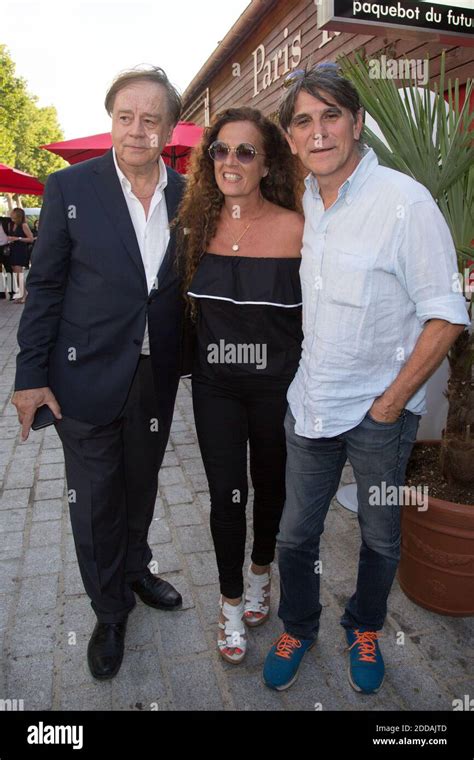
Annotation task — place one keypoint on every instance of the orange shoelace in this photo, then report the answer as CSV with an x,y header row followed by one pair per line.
x,y
286,644
366,640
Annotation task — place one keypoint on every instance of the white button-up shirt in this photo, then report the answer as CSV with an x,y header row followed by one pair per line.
x,y
153,234
375,267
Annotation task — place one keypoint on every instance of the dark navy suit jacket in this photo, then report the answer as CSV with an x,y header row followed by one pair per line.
x,y
83,322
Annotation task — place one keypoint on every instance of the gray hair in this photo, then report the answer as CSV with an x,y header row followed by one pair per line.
x,y
151,74
321,78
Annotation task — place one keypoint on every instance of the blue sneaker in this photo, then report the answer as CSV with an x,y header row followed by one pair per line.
x,y
366,666
283,660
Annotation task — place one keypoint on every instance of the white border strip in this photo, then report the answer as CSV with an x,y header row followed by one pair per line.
x,y
251,303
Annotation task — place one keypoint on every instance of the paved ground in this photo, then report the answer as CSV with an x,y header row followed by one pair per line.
x,y
171,661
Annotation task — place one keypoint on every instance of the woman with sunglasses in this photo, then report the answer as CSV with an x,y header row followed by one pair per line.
x,y
241,244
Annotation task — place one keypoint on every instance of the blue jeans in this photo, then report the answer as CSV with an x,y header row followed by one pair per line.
x,y
378,453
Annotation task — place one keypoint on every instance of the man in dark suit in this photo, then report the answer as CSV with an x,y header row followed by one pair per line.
x,y
100,346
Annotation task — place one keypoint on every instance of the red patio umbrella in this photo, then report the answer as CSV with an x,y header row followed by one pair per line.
x,y
185,136
15,181
81,148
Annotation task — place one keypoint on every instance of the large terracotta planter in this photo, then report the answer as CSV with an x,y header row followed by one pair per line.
x,y
437,557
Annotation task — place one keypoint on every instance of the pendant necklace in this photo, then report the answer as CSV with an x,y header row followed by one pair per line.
x,y
236,246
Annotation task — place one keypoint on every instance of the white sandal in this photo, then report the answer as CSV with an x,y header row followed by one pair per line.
x,y
234,644
256,610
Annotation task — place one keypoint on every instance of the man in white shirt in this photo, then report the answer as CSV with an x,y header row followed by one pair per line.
x,y
100,348
379,316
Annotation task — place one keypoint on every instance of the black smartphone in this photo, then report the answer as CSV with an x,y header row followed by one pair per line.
x,y
43,417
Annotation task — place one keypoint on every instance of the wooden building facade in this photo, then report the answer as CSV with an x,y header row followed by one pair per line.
x,y
273,37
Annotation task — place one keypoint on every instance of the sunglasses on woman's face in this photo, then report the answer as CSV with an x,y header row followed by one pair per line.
x,y
244,153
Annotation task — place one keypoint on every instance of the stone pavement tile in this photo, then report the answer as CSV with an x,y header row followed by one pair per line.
x,y
187,451
12,520
31,679
461,690
34,634
203,569
194,538
408,616
159,532
182,633
337,682
204,500
6,605
313,691
170,476
51,456
411,676
42,560
52,441
141,626
76,623
170,460
176,494
45,533
9,575
185,514
50,509
194,685
449,657
20,476
179,425
74,668
37,594
29,450
52,471
49,489
340,520
461,628
11,545
250,693
199,482
340,554
69,548
16,499
5,457
208,601
180,583
139,683
165,559
73,584
193,466
183,437
91,696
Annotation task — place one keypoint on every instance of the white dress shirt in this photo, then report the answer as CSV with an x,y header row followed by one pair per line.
x,y
375,267
153,233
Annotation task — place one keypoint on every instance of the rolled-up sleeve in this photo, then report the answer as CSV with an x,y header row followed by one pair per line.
x,y
426,265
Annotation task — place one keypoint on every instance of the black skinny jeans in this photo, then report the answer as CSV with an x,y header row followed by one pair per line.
x,y
227,416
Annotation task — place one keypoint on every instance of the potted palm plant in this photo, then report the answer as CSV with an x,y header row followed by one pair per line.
x,y
427,134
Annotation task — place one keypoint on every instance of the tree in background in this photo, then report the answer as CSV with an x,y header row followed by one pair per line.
x,y
24,126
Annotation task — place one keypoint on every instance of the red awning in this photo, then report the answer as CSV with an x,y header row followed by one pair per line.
x,y
15,181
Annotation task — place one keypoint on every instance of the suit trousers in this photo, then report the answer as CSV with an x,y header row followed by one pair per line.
x,y
112,478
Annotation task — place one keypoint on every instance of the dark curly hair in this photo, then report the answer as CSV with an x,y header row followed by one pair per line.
x,y
202,202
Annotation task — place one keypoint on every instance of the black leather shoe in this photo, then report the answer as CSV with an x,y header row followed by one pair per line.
x,y
105,650
157,593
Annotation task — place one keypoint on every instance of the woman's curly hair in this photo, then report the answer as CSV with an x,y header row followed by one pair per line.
x,y
202,202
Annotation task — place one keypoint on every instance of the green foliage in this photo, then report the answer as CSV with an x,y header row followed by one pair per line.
x,y
24,126
432,146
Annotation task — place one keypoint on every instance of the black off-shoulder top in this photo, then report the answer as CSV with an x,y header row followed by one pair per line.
x,y
249,317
